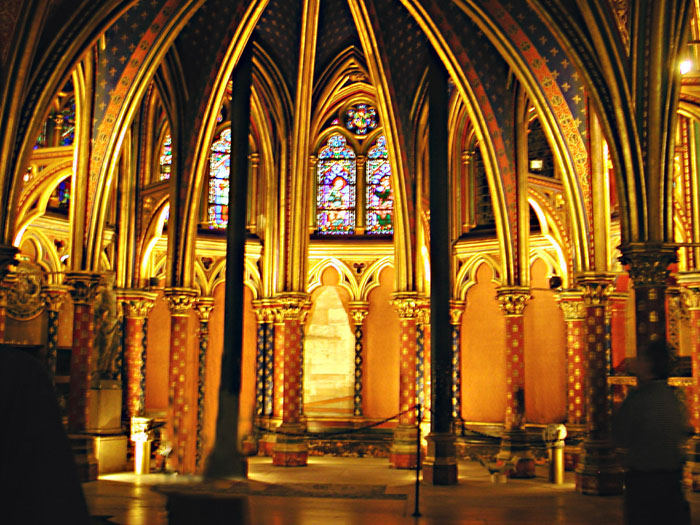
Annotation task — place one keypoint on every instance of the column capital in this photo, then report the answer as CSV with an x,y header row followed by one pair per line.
x,y
54,295
571,304
137,303
648,262
596,288
407,304
180,300
265,310
83,286
204,306
456,311
513,299
292,306
358,311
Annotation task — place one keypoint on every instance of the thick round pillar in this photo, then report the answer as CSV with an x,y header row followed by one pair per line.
x,y
82,364
181,399
598,472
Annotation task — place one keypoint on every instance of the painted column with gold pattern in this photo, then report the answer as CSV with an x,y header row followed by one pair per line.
x,y
137,304
571,304
53,296
290,449
403,448
204,307
456,311
82,364
691,297
358,313
265,372
512,300
180,398
598,472
423,362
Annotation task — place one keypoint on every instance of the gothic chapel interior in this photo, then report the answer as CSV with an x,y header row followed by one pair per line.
x,y
478,207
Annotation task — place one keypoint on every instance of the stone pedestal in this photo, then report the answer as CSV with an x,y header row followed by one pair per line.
x,y
110,452
104,423
403,448
290,450
440,463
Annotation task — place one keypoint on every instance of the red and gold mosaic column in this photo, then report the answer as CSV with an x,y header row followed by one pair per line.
x,y
424,361
512,300
403,448
290,449
82,363
358,313
598,472
137,304
204,307
53,296
181,399
691,296
571,304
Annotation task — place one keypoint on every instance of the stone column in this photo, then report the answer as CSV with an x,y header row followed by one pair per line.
x,y
691,296
53,296
358,313
204,307
82,363
137,304
456,311
512,300
264,372
403,449
597,472
290,449
571,304
180,398
424,361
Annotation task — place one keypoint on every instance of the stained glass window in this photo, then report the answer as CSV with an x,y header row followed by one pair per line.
x,y
67,124
219,169
361,119
335,199
166,157
60,198
380,199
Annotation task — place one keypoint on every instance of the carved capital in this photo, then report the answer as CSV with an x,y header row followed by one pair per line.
x,y
691,297
571,304
358,312
8,255
204,307
596,288
456,311
180,300
513,299
292,307
137,303
83,286
407,304
54,295
265,310
648,263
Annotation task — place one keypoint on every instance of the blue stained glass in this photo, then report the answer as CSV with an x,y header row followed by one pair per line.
x,y
166,157
336,196
219,169
68,124
380,199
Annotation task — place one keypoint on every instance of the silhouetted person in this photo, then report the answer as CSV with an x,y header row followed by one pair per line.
x,y
652,427
38,479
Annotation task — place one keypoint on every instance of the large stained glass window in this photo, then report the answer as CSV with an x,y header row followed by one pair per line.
x,y
166,157
380,199
335,199
219,169
361,119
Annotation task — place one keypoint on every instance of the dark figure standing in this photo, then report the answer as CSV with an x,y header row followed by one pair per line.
x,y
652,427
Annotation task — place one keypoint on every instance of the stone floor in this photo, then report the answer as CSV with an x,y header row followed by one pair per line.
x,y
129,499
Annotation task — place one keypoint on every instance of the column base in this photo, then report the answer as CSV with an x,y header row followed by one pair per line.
x,y
403,453
290,450
266,444
598,473
83,452
440,464
516,450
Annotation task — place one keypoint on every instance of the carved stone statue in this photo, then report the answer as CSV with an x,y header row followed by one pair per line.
x,y
107,341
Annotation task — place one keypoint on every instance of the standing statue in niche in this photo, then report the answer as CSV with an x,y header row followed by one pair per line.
x,y
107,341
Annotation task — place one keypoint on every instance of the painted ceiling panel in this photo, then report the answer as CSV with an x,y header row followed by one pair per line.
x,y
336,31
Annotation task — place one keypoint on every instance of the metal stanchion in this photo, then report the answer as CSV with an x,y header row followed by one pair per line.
x,y
554,436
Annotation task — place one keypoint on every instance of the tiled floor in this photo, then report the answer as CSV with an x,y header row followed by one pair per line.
x,y
129,499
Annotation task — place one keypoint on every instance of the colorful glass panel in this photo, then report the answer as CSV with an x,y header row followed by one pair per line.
x,y
219,169
166,157
380,198
68,124
336,196
361,119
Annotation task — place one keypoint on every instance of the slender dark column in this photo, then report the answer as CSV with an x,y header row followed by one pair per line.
x,y
440,465
226,459
204,308
358,313
456,311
